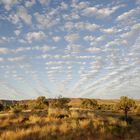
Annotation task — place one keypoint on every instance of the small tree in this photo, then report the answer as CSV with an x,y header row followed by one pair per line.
x,y
59,107
1,107
89,103
41,102
61,103
126,104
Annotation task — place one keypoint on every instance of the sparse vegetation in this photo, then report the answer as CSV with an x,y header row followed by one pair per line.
x,y
59,119
126,104
89,103
1,107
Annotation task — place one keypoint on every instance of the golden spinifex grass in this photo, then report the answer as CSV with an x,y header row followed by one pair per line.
x,y
78,125
65,119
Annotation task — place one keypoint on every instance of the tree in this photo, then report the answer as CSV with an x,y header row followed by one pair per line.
x,y
59,107
60,103
1,107
41,102
89,103
126,104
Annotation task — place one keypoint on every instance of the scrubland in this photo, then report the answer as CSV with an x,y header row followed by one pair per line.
x,y
62,120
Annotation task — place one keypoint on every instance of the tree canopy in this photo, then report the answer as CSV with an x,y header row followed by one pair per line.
x,y
89,103
126,104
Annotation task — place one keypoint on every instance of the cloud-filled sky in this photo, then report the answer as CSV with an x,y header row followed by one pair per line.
x,y
73,48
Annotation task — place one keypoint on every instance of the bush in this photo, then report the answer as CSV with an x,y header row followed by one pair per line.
x,y
41,103
107,107
126,104
1,107
61,103
138,110
16,110
89,103
129,119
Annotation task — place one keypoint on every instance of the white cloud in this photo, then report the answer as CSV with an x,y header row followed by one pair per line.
x,y
117,42
81,26
35,36
86,26
20,49
73,48
23,15
4,50
69,25
30,3
22,41
109,30
44,48
1,59
17,32
14,18
56,38
16,59
47,20
64,6
72,37
100,38
8,3
94,50
128,15
3,39
80,5
133,33
100,12
89,38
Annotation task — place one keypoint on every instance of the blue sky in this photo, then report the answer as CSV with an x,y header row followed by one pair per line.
x,y
71,48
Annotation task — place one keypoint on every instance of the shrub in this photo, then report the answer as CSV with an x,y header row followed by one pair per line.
x,y
41,103
126,104
89,103
59,103
16,108
106,107
138,110
1,107
129,119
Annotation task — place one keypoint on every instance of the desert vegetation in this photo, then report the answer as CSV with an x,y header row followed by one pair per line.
x,y
70,119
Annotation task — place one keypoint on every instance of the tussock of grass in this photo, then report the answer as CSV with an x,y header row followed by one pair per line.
x,y
38,127
60,119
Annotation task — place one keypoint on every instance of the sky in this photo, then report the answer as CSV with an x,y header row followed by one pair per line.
x,y
73,48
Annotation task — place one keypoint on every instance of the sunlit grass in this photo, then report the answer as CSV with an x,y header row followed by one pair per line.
x,y
79,125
